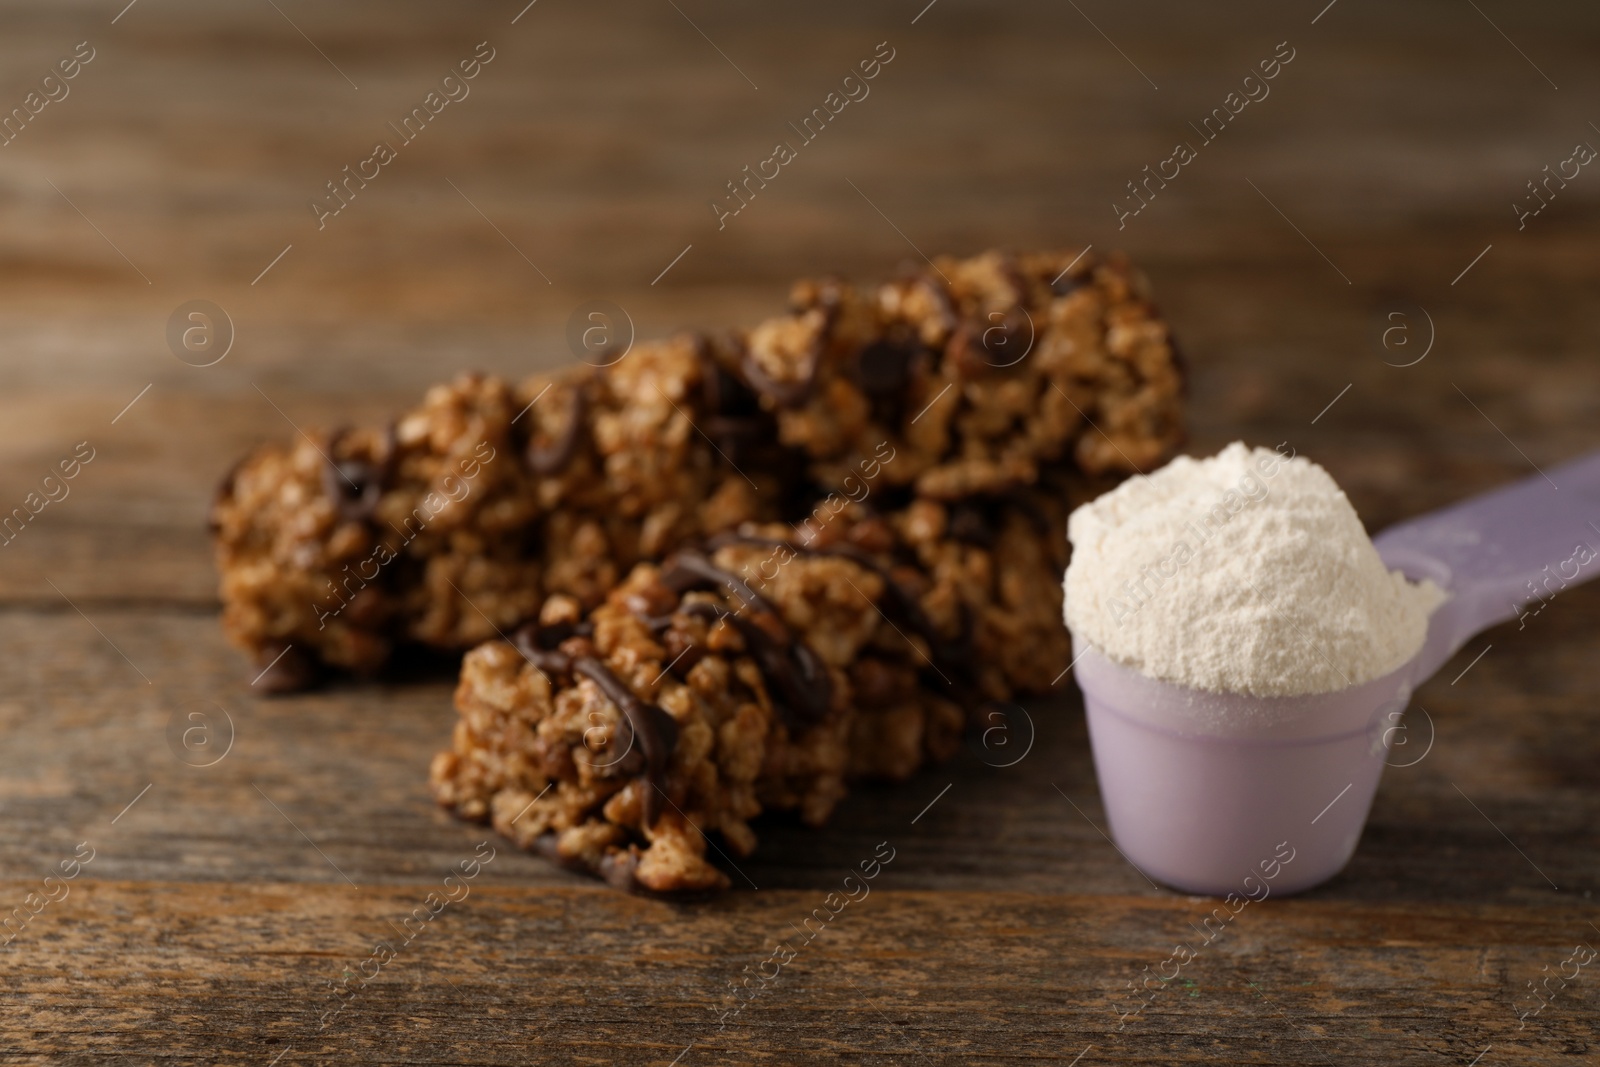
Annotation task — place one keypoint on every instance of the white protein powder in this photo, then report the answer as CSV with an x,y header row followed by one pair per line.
x,y
1248,572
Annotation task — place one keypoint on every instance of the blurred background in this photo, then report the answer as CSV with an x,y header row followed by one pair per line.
x,y
184,158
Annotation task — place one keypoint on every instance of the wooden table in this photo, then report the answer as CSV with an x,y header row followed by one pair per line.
x,y
221,901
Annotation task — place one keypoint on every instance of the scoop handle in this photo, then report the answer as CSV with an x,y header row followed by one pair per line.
x,y
1501,555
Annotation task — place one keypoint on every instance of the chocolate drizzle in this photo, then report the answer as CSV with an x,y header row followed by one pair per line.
x,y
551,458
975,349
789,394
356,485
654,729
731,413
798,679
885,368
688,570
899,605
538,646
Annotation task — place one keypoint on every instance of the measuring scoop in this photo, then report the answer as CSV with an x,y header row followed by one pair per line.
x,y
1208,792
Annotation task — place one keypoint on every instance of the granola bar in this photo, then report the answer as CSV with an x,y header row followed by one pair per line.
x,y
985,373
762,673
452,524
985,378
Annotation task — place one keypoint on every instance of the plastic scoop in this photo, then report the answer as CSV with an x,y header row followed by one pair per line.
x,y
1209,792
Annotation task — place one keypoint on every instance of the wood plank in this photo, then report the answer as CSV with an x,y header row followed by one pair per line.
x,y
220,904
513,974
1005,932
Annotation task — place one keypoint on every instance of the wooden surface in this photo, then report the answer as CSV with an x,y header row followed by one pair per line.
x,y
220,906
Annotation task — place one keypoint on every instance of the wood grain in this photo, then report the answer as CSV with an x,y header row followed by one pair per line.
x,y
221,904
571,976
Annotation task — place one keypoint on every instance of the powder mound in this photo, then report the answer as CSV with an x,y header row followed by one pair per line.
x,y
1248,572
